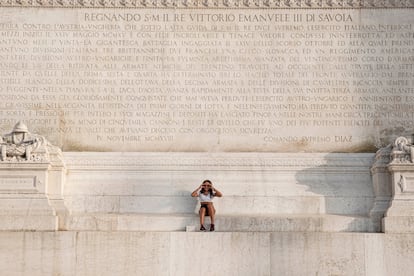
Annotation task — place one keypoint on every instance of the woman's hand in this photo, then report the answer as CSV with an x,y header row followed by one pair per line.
x,y
195,193
216,192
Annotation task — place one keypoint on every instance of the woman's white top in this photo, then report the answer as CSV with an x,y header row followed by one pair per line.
x,y
205,198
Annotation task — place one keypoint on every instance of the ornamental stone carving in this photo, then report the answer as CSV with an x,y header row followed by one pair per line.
x,y
22,146
250,4
402,151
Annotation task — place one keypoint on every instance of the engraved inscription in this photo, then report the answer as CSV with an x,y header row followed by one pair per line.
x,y
17,183
210,80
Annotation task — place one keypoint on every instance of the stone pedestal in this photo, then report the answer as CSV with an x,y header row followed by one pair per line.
x,y
31,182
399,217
23,201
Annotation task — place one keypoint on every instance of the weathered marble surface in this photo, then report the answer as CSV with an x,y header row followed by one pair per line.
x,y
167,253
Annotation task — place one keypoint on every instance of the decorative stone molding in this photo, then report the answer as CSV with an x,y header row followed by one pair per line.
x,y
328,162
382,158
212,4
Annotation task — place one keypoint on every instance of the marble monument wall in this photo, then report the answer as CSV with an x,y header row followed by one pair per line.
x,y
280,103
208,79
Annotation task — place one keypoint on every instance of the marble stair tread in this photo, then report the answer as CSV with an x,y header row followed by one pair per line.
x,y
224,223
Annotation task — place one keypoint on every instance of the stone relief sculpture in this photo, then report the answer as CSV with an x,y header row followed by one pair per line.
x,y
402,151
21,145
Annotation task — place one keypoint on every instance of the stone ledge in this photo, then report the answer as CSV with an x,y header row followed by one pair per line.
x,y
28,223
199,161
398,224
179,222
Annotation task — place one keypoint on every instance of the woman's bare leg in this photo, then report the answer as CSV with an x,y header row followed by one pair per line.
x,y
202,215
211,212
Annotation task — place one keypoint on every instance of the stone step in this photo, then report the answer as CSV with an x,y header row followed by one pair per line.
x,y
190,222
28,223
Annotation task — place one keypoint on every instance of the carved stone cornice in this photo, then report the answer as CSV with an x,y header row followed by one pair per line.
x,y
212,4
135,161
382,160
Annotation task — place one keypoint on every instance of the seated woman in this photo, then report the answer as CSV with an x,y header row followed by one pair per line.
x,y
206,192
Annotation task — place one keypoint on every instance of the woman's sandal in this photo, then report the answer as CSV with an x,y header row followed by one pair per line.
x,y
212,227
202,228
